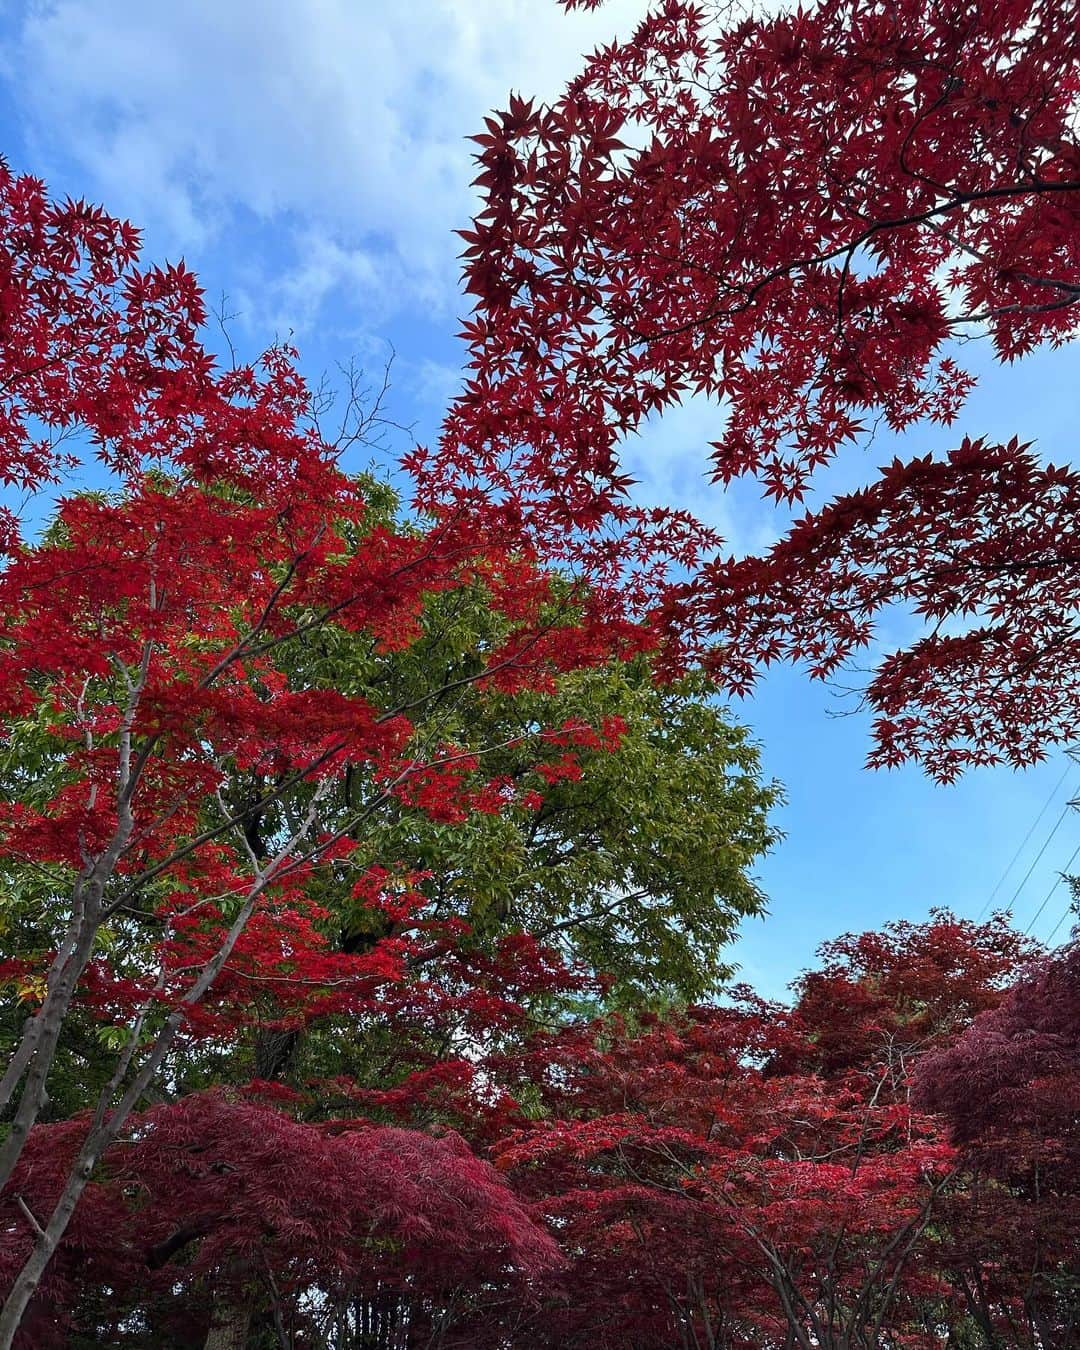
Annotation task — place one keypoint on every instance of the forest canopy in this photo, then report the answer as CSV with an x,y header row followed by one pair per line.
x,y
371,849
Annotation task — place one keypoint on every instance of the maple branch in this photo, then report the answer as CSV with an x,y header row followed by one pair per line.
x,y
751,291
105,1123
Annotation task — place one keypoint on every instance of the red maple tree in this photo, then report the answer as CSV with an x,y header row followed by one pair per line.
x,y
793,215
755,1175
168,771
796,215
1009,1089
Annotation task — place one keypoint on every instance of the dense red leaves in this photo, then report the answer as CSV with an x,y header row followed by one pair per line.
x,y
152,622
905,989
1009,1089
753,1172
984,537
174,768
794,215
755,1176
283,1190
1010,1085
690,1176
208,1196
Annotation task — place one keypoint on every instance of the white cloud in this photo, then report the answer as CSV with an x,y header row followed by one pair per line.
x,y
321,147
339,121
434,383
670,461
292,301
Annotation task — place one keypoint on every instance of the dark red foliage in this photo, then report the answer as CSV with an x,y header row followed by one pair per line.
x,y
1010,1085
895,994
983,534
702,1195
1009,1090
756,1174
208,1196
794,215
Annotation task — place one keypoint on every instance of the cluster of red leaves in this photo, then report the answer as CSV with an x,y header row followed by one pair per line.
x,y
981,537
793,214
206,1197
1010,1085
910,987
289,971
237,1190
228,541
756,1173
152,622
174,763
1009,1090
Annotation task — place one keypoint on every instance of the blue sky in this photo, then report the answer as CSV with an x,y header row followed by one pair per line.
x,y
308,159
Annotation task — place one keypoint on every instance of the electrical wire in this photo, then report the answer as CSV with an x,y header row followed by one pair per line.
x,y
1069,909
1046,844
1060,878
1023,844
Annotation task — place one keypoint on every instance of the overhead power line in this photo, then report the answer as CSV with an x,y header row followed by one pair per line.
x,y
1023,844
1045,845
1069,909
1046,900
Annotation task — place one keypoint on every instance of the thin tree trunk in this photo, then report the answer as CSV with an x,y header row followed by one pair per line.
x,y
38,1049
40,1038
106,1125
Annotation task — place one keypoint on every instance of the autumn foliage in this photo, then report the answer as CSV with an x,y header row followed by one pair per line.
x,y
177,786
718,1172
367,873
797,216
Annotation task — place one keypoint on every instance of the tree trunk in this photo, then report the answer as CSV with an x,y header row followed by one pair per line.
x,y
229,1328
275,1052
